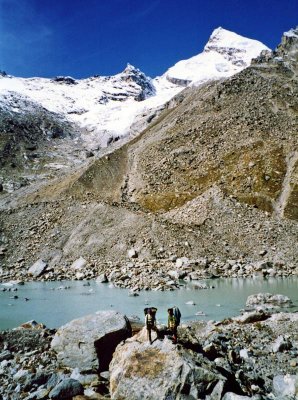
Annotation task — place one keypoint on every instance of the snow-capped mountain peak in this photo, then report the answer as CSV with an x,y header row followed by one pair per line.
x,y
108,107
133,74
225,54
235,48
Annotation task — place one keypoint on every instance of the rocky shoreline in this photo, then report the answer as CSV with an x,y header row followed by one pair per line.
x,y
156,274
105,356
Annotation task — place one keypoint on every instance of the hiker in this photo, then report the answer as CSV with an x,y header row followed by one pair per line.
x,y
150,322
172,324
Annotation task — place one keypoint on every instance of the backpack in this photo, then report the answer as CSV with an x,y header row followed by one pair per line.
x,y
153,311
177,315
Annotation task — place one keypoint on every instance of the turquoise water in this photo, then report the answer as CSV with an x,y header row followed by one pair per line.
x,y
55,307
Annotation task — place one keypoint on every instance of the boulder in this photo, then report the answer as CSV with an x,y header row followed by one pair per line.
x,y
268,300
66,389
285,386
32,325
38,268
182,262
281,343
90,341
37,379
102,278
159,371
174,274
79,263
250,317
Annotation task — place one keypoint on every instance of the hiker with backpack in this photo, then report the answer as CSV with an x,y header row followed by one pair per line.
x,y
174,316
150,322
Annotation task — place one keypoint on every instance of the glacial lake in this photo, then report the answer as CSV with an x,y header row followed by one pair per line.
x,y
48,303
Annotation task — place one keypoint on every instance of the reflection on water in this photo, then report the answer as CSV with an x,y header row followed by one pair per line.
x,y
54,307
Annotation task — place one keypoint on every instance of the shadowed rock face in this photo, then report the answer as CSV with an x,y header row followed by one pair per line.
x,y
89,342
27,136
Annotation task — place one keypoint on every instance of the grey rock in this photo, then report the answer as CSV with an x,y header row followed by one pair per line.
x,y
285,386
66,389
6,355
89,342
132,253
190,303
20,375
32,325
281,344
250,317
53,381
84,379
233,396
183,261
268,299
143,371
38,395
175,274
217,391
105,375
38,268
79,263
194,276
102,278
37,379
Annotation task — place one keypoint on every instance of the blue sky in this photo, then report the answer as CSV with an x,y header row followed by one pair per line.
x,y
86,37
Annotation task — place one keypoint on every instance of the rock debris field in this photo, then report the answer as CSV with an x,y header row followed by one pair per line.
x,y
106,356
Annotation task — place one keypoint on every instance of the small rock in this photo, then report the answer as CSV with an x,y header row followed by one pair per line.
x,y
244,354
33,325
263,252
89,154
132,253
102,278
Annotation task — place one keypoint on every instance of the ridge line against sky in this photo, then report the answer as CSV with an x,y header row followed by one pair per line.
x,y
86,37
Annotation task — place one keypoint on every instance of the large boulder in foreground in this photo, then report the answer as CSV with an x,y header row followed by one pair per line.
x,y
159,371
89,342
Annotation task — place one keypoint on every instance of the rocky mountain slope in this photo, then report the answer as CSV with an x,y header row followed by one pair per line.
x,y
214,175
96,111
